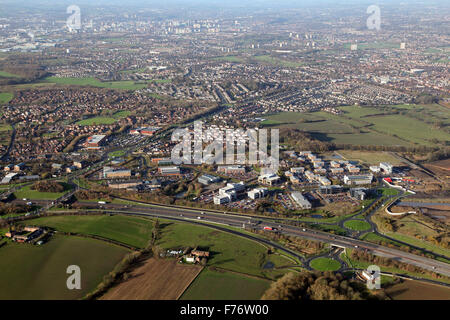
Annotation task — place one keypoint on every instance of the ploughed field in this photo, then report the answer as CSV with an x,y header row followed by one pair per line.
x,y
155,279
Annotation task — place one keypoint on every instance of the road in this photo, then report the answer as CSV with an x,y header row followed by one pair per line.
x,y
239,221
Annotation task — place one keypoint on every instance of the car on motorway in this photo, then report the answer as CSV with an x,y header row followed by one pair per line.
x,y
181,215
304,230
199,218
202,213
356,246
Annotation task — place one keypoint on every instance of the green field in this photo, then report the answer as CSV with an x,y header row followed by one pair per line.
x,y
5,74
277,61
5,127
230,59
6,97
375,45
96,121
357,225
133,231
370,125
214,285
389,191
370,158
27,193
39,272
228,251
327,127
122,85
115,154
325,264
104,120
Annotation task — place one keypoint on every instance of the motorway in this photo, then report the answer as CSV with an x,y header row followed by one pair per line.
x,y
240,221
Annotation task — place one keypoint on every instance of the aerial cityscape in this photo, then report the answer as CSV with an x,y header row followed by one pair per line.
x,y
250,150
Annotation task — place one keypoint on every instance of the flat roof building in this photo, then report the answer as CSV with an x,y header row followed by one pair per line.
x,y
301,200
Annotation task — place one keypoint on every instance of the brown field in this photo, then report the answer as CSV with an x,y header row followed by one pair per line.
x,y
416,290
156,279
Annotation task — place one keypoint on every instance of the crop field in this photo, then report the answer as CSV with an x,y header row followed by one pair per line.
x,y
133,231
156,279
39,272
227,251
325,264
416,290
218,285
27,193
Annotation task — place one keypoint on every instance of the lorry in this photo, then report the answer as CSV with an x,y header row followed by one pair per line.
x,y
102,202
269,228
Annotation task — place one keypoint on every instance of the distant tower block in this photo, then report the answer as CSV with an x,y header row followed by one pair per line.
x,y
281,45
403,45
298,36
290,35
354,47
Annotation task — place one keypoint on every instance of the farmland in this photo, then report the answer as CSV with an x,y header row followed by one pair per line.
x,y
156,279
31,272
402,125
129,230
219,285
416,290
